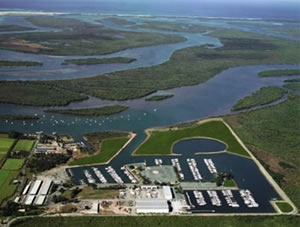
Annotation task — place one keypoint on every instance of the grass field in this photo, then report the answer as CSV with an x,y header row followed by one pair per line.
x,y
101,111
161,142
13,164
5,145
284,207
272,134
90,193
229,183
109,148
24,145
263,96
162,221
6,188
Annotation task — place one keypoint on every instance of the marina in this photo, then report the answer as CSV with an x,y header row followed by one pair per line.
x,y
114,175
194,169
177,167
210,165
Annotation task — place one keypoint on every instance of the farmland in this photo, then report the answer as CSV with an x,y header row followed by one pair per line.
x,y
24,145
13,164
6,187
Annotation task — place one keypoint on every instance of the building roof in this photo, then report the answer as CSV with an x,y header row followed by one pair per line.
x,y
167,192
40,200
35,188
45,187
29,199
152,204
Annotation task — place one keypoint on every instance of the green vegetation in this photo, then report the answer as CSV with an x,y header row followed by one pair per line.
x,y
149,221
108,149
119,21
292,80
95,61
161,142
79,38
272,134
280,72
175,27
42,162
28,93
292,86
17,117
7,189
14,28
188,66
284,207
19,63
24,145
229,183
264,95
102,111
91,193
13,164
158,97
6,144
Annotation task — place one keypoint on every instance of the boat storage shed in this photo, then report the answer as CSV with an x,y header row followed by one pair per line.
x,y
147,206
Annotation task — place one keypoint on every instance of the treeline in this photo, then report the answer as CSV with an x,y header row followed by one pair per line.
x,y
43,162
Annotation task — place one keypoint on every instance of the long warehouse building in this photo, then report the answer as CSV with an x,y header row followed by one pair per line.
x,y
35,188
152,206
45,187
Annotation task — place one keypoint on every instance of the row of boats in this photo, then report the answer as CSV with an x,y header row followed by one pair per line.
x,y
89,177
158,161
129,175
112,172
199,198
176,165
215,200
248,198
230,199
100,176
210,165
194,169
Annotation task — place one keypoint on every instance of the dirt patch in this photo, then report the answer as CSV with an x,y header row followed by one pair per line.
x,y
23,45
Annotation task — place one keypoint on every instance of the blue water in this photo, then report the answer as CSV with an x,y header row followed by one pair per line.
x,y
239,9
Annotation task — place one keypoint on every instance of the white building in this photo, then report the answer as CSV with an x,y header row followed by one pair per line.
x,y
29,200
147,206
40,200
35,188
167,192
45,187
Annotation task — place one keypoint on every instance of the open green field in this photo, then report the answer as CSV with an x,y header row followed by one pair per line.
x,y
13,164
229,183
293,86
25,93
284,207
6,188
20,63
6,144
161,142
264,95
162,221
96,61
24,145
109,148
90,193
101,111
280,72
103,146
79,38
14,28
158,97
272,134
